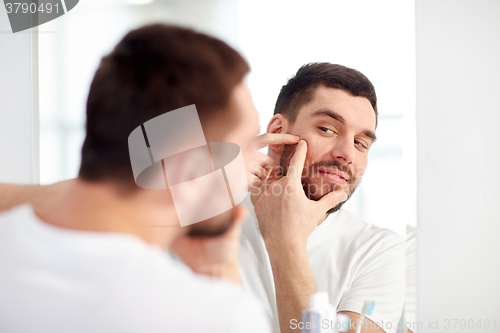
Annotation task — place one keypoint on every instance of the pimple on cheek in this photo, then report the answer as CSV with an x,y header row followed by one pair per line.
x,y
312,150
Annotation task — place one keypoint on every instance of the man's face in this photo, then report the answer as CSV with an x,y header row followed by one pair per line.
x,y
339,129
243,133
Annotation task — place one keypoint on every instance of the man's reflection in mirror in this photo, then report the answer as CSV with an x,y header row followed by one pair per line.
x,y
297,239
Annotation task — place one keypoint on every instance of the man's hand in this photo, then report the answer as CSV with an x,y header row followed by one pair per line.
x,y
214,256
286,216
261,168
286,219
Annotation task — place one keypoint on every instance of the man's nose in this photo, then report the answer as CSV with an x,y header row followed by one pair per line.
x,y
344,150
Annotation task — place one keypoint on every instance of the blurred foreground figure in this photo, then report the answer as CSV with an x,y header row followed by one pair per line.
x,y
90,258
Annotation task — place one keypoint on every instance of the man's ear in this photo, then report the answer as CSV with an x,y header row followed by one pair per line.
x,y
278,124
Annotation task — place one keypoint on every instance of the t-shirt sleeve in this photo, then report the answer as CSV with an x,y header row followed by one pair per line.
x,y
380,277
249,316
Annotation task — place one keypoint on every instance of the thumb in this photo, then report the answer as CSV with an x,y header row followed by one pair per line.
x,y
332,199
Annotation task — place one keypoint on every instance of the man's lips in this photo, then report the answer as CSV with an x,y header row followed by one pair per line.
x,y
334,175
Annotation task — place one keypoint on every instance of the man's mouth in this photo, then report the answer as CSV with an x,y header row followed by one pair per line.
x,y
334,175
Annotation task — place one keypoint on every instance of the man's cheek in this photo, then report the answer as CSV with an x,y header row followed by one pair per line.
x,y
315,149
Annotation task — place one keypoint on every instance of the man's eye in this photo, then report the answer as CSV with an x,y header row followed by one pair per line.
x,y
359,143
324,129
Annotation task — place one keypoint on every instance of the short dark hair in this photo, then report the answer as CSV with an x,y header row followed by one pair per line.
x,y
153,70
299,89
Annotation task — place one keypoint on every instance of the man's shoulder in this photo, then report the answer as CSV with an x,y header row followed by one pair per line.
x,y
207,303
163,291
128,282
347,231
354,226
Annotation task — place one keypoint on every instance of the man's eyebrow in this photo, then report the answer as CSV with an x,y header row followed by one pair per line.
x,y
329,113
326,112
370,135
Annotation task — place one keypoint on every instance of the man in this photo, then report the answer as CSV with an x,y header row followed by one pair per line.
x,y
354,260
90,259
297,240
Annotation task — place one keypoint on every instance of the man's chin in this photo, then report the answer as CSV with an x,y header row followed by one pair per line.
x,y
315,196
336,208
315,192
331,210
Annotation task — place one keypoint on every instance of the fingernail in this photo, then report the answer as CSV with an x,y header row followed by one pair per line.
x,y
301,142
296,137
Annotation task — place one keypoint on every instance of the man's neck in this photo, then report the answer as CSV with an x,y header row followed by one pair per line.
x,y
99,207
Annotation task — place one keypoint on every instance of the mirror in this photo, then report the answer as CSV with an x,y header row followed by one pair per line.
x,y
276,37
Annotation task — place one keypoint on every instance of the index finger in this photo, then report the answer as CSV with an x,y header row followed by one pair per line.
x,y
267,139
297,162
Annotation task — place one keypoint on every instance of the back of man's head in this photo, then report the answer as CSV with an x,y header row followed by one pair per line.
x,y
153,70
299,89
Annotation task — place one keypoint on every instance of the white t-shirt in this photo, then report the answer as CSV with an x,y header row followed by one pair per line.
x,y
60,280
350,259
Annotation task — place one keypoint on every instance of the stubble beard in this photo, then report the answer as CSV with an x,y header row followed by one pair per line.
x,y
315,187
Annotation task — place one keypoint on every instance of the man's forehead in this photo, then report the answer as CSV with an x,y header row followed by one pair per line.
x,y
352,109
